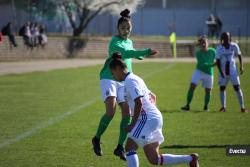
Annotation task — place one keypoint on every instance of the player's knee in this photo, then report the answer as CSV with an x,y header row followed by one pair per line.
x,y
110,113
125,109
222,88
192,86
236,87
208,90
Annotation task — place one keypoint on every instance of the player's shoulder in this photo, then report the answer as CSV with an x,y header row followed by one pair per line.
x,y
219,47
114,38
211,50
118,40
132,78
234,44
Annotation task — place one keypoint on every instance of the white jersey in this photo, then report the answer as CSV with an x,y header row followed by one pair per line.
x,y
228,55
135,87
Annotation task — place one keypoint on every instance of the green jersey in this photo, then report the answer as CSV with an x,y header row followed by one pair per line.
x,y
205,61
125,47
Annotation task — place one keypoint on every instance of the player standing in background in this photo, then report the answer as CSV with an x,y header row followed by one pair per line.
x,y
113,91
146,126
225,57
204,72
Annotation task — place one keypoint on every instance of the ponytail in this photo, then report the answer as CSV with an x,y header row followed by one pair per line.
x,y
125,17
117,61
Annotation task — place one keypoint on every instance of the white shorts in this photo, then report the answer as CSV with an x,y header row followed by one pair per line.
x,y
147,131
207,80
234,78
112,88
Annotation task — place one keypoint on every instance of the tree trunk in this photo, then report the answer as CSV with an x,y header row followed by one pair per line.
x,y
77,32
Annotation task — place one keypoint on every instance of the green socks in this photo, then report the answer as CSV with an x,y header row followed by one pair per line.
x,y
190,96
104,123
207,98
123,135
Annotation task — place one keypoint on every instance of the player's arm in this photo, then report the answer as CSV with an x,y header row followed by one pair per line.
x,y
218,62
241,64
219,67
137,112
238,54
132,53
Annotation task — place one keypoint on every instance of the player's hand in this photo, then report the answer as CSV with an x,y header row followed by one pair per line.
x,y
152,98
241,70
153,52
128,128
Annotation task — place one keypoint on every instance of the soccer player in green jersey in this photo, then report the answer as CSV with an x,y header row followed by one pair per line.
x,y
204,72
113,91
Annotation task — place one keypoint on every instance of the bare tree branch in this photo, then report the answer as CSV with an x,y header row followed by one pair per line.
x,y
87,10
69,14
97,12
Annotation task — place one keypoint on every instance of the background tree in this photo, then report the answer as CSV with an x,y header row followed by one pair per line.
x,y
81,12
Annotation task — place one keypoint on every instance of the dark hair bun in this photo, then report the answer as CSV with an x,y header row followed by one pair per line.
x,y
125,13
116,55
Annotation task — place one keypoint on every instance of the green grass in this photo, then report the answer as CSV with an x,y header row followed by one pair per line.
x,y
38,101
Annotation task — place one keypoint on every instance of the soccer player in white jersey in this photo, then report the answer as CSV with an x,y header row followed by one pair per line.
x,y
225,60
145,129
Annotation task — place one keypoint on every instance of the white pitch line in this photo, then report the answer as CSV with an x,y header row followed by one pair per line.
x,y
159,70
56,119
47,123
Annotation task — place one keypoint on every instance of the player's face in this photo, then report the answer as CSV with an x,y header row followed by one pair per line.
x,y
226,38
124,29
204,44
117,74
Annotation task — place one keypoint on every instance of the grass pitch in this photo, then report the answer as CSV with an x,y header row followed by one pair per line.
x,y
49,118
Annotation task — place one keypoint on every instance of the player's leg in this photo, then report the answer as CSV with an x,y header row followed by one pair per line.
x,y
131,156
190,95
236,84
207,99
119,151
154,157
223,98
194,83
207,83
222,83
108,88
110,104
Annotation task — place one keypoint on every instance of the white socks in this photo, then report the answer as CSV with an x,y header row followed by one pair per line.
x,y
163,159
168,159
240,98
132,159
223,98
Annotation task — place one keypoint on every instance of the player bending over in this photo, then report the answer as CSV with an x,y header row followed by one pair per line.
x,y
145,129
112,91
204,72
225,57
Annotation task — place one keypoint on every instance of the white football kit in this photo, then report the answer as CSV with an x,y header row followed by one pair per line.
x,y
227,60
112,88
148,128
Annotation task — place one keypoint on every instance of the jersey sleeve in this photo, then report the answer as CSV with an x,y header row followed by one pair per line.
x,y
130,53
134,89
237,50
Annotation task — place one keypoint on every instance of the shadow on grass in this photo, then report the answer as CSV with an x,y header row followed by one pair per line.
x,y
182,111
193,146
